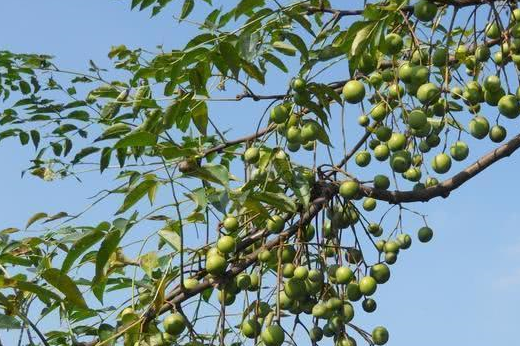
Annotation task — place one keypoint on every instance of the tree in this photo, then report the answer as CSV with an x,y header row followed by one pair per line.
x,y
291,239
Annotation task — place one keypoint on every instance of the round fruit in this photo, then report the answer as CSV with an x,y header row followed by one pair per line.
x,y
273,335
440,57
397,141
441,163
405,241
393,44
508,106
216,265
425,234
400,161
369,305
226,244
459,151
424,10
369,204
294,134
367,285
380,336
497,133
190,283
391,246
492,83
380,272
354,91
255,282
381,182
428,93
344,275
492,30
379,111
483,53
294,288
309,131
363,158
174,324
390,257
405,72
383,133
417,119
363,120
349,189
301,272
381,152
279,114
298,84
243,281
348,312
479,127
251,328
353,292
252,155
275,224
316,334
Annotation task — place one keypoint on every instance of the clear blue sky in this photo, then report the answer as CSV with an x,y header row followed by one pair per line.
x,y
462,289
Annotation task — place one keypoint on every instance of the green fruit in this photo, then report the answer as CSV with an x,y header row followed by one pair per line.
x,y
363,158
381,152
425,234
319,310
298,84
492,30
515,15
251,155
379,112
375,80
369,305
380,336
301,272
288,270
273,336
405,241
348,312
508,106
388,75
456,92
393,44
369,204
255,282
216,265
353,292
275,224
413,174
250,328
440,57
316,334
390,257
380,272
493,97
226,298
381,182
349,189
309,131
243,281
367,64
428,93
383,133
174,324
420,75
417,119
397,141
395,91
405,72
293,147
391,246
294,288
479,127
344,275
497,133
354,91
492,83
226,244
279,114
294,135
459,151
441,163
424,10
482,53
367,285
190,283
400,161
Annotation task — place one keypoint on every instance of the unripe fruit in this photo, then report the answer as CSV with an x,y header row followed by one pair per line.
x,y
380,336
492,30
174,324
479,127
363,158
492,83
243,281
381,152
424,10
381,182
380,272
428,93
354,91
294,135
383,133
497,133
508,106
251,155
369,305
273,335
459,151
482,53
275,224
279,114
251,328
301,272
391,246
255,282
425,234
441,163
405,72
417,119
393,44
405,241
353,292
395,91
226,244
216,265
400,161
390,257
298,84
367,285
379,112
190,283
316,334
309,131
369,204
397,141
349,189
440,57
344,275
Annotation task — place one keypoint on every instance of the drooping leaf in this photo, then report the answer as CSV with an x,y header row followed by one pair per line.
x,y
65,285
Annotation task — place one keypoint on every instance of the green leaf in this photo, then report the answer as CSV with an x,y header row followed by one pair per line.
x,y
187,7
253,71
171,237
79,247
277,200
34,218
214,173
245,6
275,61
230,54
114,131
65,285
137,139
79,115
43,294
199,115
284,48
136,194
298,43
9,322
107,248
84,153
149,262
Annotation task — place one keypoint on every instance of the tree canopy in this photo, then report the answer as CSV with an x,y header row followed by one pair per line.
x,y
279,235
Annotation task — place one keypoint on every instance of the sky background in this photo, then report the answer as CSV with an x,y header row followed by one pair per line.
x,y
461,289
